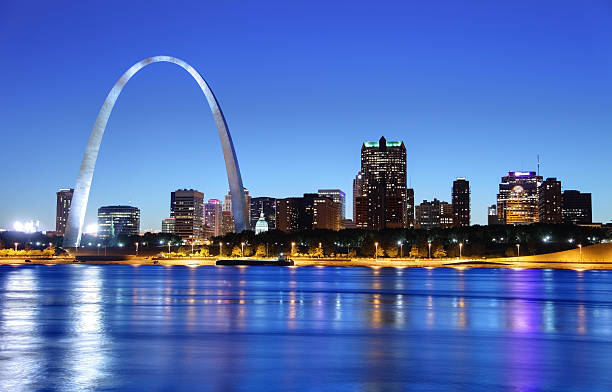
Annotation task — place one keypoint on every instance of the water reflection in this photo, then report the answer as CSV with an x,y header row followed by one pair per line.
x,y
92,327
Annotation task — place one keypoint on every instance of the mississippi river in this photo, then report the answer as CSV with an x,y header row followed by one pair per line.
x,y
87,327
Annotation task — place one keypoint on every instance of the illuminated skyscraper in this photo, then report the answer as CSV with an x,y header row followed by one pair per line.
x,y
64,198
383,165
461,202
306,213
410,207
337,196
212,217
549,201
517,200
267,205
187,208
360,208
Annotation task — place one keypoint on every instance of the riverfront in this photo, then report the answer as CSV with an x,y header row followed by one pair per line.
x,y
84,327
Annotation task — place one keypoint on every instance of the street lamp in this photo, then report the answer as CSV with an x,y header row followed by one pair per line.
x,y
376,251
518,250
580,247
220,249
242,246
321,247
401,248
292,246
192,248
460,247
98,249
168,246
429,250
16,243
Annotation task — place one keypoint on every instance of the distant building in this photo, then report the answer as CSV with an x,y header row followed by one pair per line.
x,y
267,205
434,213
168,225
227,205
446,215
383,165
461,202
64,198
261,226
114,221
360,207
517,200
577,207
227,222
492,217
549,201
410,207
212,218
187,208
306,213
348,224
337,196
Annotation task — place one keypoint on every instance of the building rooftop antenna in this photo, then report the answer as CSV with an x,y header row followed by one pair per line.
x,y
538,164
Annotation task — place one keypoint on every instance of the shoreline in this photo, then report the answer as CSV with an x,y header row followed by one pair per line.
x,y
459,264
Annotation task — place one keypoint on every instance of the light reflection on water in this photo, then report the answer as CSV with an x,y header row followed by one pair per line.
x,y
151,328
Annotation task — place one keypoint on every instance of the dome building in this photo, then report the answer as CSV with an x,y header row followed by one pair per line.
x,y
261,226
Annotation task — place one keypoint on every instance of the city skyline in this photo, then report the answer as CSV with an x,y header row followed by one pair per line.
x,y
505,112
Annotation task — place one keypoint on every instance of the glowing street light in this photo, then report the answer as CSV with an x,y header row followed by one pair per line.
x,y
98,249
136,248
242,247
460,247
580,247
168,246
429,246
292,246
376,251
401,244
518,250
16,243
220,248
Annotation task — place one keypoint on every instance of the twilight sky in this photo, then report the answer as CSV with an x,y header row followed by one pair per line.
x,y
474,89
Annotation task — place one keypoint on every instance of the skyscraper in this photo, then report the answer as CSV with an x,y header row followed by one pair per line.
x,y
492,216
549,201
227,205
114,221
410,207
306,213
434,213
337,196
359,202
64,198
212,217
461,202
267,205
383,165
577,207
517,200
187,208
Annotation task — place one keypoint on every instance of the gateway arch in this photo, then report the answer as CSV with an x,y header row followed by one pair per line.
x,y
76,216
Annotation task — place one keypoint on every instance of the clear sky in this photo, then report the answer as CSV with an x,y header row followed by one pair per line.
x,y
474,89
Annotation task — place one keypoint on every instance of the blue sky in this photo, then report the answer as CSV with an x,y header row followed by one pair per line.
x,y
474,89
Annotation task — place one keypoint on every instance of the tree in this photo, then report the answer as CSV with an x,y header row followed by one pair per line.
x,y
380,252
439,251
414,251
236,251
391,250
315,251
261,251
204,251
352,253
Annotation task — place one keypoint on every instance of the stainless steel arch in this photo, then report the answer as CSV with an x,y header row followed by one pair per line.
x,y
76,216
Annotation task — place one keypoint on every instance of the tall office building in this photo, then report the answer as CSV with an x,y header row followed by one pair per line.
x,y
64,198
549,201
168,225
114,221
227,222
446,215
212,218
577,207
187,208
517,200
267,205
383,165
410,207
461,202
337,196
306,213
359,202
